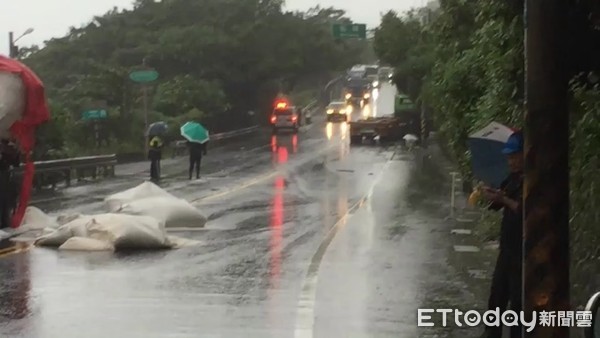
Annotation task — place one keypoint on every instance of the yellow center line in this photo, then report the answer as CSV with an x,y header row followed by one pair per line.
x,y
18,247
257,179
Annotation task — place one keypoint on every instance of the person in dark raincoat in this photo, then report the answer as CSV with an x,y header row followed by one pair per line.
x,y
155,155
197,150
9,159
506,282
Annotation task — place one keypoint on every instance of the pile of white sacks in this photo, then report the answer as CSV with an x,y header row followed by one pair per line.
x,y
137,219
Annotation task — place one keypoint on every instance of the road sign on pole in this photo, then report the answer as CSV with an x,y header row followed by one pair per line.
x,y
94,114
349,31
143,76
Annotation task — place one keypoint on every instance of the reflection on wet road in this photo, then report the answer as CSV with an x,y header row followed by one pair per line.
x,y
307,237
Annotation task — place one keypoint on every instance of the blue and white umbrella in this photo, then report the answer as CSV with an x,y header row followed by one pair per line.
x,y
488,162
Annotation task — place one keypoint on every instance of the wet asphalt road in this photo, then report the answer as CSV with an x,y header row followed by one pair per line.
x,y
306,237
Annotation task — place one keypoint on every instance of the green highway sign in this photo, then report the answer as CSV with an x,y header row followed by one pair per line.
x,y
348,31
97,114
144,75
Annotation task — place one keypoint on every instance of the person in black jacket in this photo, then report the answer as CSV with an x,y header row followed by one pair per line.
x,y
9,159
196,152
506,282
155,155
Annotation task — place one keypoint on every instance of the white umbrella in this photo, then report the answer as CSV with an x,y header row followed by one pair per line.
x,y
12,101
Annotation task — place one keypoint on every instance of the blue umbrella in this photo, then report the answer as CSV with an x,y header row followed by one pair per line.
x,y
487,160
157,128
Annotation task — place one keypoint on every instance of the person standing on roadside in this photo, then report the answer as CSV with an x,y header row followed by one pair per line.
x,y
155,155
9,159
506,282
197,150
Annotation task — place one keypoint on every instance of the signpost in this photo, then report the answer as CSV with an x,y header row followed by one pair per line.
x,y
96,114
144,76
349,31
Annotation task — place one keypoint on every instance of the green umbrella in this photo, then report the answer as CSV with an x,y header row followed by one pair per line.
x,y
194,132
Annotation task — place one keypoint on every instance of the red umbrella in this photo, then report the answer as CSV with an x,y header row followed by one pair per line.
x,y
23,130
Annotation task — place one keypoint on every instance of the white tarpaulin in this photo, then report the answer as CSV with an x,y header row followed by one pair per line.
x,y
12,101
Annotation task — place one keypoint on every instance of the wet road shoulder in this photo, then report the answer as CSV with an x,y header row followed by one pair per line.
x,y
305,319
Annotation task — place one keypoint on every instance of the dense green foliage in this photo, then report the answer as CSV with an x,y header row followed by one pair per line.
x,y
217,59
467,65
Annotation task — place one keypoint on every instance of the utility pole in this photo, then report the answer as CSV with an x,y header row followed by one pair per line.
x,y
12,49
145,90
546,192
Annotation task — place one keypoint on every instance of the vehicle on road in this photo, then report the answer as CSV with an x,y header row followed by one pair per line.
x,y
386,128
338,111
357,92
371,74
385,73
374,80
371,70
285,116
407,112
356,72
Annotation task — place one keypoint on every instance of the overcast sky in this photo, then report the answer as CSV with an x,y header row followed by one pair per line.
x,y
52,18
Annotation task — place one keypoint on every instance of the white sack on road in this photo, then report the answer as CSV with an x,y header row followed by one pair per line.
x,y
173,212
67,218
57,237
179,242
128,232
122,232
86,244
36,219
142,191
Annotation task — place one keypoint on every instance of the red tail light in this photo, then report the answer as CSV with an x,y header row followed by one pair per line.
x,y
273,119
294,118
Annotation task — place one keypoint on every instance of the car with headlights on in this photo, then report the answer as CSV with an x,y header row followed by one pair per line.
x,y
338,111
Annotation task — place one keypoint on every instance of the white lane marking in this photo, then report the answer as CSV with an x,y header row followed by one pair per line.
x,y
466,248
460,231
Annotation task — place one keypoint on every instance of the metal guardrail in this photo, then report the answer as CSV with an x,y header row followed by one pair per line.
x,y
179,147
54,171
233,133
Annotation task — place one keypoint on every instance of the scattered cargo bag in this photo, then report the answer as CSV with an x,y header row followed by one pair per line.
x,y
142,191
75,228
36,219
86,244
128,232
173,212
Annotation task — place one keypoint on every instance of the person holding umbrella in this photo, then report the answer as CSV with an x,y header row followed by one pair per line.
x,y
197,137
506,281
155,148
